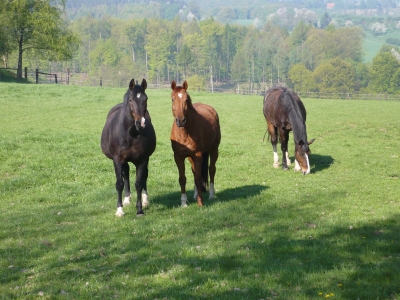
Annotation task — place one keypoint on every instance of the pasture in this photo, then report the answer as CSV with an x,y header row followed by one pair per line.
x,y
269,234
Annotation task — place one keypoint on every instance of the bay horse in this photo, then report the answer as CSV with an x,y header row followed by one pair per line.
x,y
284,112
129,136
195,134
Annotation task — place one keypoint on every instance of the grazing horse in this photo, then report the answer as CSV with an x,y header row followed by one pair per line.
x,y
195,134
128,136
284,112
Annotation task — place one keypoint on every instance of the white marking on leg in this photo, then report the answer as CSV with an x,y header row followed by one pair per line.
x,y
296,165
119,212
288,162
308,165
184,200
195,193
211,191
145,199
127,200
276,160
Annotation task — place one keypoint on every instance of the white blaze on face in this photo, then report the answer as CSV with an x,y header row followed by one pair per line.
x,y
180,95
308,164
138,95
143,122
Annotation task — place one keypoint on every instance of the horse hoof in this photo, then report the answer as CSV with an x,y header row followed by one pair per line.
x,y
140,214
119,212
145,204
127,201
285,169
276,166
184,205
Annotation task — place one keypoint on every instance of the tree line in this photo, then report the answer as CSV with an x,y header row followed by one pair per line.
x,y
307,58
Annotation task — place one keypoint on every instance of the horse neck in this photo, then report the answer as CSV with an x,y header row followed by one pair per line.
x,y
297,121
191,113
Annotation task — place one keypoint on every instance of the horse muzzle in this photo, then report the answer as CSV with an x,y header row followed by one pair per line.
x,y
140,124
180,122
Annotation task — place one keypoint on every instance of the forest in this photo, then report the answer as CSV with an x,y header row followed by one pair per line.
x,y
293,47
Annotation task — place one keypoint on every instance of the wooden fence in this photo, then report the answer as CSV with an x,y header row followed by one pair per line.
x,y
86,80
36,74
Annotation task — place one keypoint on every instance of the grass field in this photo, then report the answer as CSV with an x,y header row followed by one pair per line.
x,y
269,234
372,44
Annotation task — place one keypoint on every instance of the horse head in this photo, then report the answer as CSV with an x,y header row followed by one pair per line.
x,y
302,153
180,102
138,103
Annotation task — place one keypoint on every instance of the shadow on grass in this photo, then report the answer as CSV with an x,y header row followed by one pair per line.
x,y
213,255
173,199
320,162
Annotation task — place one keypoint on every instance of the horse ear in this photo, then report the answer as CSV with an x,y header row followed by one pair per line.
x,y
132,84
173,84
310,142
144,84
185,85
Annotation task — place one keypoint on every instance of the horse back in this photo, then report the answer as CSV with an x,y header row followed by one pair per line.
x,y
277,101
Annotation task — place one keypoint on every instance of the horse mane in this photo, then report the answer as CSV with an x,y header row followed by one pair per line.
x,y
296,115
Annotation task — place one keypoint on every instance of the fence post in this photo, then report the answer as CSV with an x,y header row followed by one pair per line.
x,y
26,73
101,81
55,78
37,75
68,76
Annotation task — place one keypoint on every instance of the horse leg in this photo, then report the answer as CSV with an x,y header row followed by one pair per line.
x,y
196,193
212,170
288,162
180,163
197,161
283,134
119,185
127,187
145,196
142,173
274,139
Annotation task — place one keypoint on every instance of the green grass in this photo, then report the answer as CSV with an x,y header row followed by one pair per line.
x,y
372,44
269,234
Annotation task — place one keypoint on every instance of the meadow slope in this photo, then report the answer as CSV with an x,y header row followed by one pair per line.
x,y
269,234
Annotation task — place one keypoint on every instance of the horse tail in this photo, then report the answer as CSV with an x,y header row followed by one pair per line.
x,y
204,171
265,135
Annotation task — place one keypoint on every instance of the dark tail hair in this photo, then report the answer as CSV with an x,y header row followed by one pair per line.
x,y
204,171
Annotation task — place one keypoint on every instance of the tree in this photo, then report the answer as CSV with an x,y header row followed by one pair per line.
x,y
184,58
37,25
159,45
335,76
385,73
325,20
301,78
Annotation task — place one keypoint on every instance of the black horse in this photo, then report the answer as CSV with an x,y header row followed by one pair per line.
x,y
284,112
129,136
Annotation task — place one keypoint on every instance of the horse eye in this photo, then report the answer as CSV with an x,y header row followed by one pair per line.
x,y
172,99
